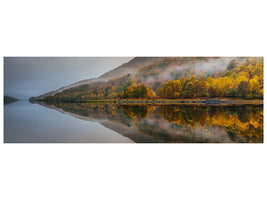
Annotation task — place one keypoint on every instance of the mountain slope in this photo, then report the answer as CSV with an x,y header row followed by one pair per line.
x,y
129,67
126,80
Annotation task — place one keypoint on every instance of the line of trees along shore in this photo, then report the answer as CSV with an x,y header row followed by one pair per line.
x,y
243,81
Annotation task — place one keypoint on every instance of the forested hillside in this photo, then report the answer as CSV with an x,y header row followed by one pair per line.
x,y
177,78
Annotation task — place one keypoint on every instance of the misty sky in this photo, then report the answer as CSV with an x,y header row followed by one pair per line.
x,y
31,76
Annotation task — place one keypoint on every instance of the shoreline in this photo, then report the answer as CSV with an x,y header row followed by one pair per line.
x,y
168,101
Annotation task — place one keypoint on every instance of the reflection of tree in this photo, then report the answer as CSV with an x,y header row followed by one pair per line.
x,y
245,121
166,121
136,110
184,115
96,111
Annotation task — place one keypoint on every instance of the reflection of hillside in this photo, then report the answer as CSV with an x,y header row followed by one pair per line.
x,y
173,123
95,111
243,121
109,115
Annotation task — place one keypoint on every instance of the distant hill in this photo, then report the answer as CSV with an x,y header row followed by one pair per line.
x,y
8,99
154,72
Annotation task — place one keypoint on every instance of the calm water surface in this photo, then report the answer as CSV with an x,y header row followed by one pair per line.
x,y
81,122
27,123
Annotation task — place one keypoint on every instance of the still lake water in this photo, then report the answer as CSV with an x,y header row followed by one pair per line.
x,y
100,123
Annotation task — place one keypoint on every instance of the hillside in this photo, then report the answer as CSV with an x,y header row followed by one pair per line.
x,y
8,99
129,67
172,77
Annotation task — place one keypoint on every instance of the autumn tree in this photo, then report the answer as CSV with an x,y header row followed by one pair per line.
x,y
140,91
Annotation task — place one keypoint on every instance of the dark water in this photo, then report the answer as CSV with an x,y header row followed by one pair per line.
x,y
82,122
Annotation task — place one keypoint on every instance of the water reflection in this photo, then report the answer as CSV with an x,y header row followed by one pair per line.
x,y
31,123
174,123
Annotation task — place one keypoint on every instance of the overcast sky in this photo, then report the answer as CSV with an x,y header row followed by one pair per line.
x,y
31,76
